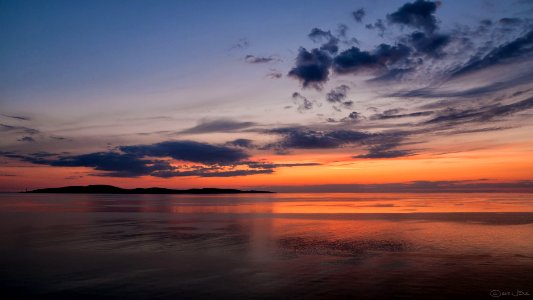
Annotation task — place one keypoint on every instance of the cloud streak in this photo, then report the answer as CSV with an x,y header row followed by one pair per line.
x,y
220,125
481,114
252,59
17,117
18,129
518,48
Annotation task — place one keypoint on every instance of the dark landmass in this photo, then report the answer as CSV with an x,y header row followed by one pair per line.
x,y
109,189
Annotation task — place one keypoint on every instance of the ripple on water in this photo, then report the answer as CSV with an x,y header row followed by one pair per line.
x,y
339,247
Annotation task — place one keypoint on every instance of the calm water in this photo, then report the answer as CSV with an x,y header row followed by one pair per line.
x,y
281,246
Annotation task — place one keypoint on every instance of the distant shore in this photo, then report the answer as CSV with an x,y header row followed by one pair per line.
x,y
109,189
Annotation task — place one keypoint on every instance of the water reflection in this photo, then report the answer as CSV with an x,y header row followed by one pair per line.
x,y
265,246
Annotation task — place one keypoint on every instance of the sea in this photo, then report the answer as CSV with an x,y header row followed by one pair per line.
x,y
266,246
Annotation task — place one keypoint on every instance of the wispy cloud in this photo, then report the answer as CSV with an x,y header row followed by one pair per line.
x,y
359,14
26,139
482,114
17,117
253,59
241,44
18,129
220,125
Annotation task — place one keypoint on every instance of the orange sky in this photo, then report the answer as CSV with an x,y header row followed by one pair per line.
x,y
516,164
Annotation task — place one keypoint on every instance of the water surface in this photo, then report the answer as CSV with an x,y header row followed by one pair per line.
x,y
266,246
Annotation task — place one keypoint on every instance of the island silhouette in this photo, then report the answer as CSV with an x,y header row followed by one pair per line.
x,y
109,189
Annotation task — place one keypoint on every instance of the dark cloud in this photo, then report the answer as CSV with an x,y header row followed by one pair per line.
x,y
318,35
387,54
358,15
379,145
114,164
26,139
385,61
303,138
332,46
429,44
337,94
152,160
221,125
331,43
188,151
422,52
312,68
419,15
252,59
354,115
354,60
520,47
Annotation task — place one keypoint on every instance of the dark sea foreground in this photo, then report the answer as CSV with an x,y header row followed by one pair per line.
x,y
266,246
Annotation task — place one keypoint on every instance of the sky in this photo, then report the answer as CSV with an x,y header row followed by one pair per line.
x,y
280,95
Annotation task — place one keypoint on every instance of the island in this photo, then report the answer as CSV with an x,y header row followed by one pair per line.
x,y
109,189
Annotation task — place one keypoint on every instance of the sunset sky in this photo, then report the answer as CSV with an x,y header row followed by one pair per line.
x,y
285,95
